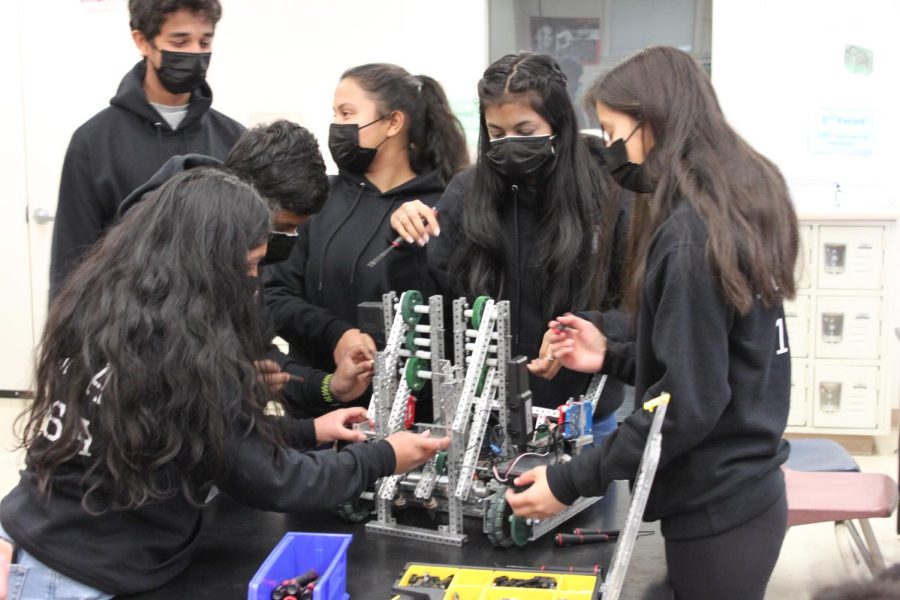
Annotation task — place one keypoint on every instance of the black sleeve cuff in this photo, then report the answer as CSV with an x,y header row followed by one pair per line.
x,y
385,457
299,433
334,331
561,484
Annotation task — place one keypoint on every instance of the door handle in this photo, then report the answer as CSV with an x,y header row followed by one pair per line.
x,y
41,216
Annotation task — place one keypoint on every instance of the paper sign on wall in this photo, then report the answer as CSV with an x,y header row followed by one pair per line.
x,y
842,131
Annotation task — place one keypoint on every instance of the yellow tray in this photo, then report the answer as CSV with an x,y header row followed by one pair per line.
x,y
476,583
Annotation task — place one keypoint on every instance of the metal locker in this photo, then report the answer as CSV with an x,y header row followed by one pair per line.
x,y
796,316
847,327
845,397
798,416
850,258
805,267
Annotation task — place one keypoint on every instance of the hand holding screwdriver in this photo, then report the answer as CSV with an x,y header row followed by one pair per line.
x,y
410,228
415,221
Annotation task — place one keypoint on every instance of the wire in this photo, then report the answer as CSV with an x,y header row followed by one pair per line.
x,y
515,461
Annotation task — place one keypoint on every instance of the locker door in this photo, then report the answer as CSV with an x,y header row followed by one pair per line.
x,y
845,397
796,316
847,327
799,413
805,264
850,258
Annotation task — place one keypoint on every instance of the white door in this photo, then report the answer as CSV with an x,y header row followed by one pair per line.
x,y
73,56
16,302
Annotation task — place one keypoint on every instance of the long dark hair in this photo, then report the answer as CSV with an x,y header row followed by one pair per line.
x,y
699,158
164,311
436,138
572,249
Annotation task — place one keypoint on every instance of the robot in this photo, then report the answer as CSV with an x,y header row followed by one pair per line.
x,y
481,399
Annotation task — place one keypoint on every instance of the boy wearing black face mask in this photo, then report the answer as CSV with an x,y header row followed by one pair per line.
x,y
283,163
162,108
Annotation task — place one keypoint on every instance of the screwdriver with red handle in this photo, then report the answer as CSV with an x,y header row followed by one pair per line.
x,y
395,243
576,539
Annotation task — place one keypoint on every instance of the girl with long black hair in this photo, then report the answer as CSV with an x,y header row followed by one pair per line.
x,y
394,139
147,396
530,222
713,246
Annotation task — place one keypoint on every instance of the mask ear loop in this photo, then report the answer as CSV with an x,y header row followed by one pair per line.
x,y
633,131
386,137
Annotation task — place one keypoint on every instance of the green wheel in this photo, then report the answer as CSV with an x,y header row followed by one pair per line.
x,y
408,303
497,522
411,373
410,341
480,387
440,462
519,530
478,310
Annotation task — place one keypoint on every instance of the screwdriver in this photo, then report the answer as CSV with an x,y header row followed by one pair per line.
x,y
395,243
576,539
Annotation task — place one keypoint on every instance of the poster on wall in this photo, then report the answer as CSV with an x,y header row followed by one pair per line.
x,y
567,37
843,131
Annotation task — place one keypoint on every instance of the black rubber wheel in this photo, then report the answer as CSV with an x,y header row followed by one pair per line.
x,y
497,521
519,530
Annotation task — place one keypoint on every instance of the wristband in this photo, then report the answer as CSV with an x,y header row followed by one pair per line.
x,y
326,389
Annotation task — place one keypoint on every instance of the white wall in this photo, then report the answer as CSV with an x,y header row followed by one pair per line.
x,y
285,57
271,58
778,67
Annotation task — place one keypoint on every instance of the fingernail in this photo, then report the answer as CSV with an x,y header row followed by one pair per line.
x,y
427,237
437,231
409,240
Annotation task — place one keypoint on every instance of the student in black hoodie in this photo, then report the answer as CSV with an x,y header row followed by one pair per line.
x,y
283,163
147,397
162,108
531,223
394,139
714,241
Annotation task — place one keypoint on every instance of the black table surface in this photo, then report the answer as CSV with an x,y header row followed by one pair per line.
x,y
237,539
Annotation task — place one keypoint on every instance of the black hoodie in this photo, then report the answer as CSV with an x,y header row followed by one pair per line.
x,y
299,393
520,219
313,295
119,149
130,551
729,376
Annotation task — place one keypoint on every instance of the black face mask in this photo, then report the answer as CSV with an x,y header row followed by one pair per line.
x,y
629,175
343,141
522,157
182,72
279,248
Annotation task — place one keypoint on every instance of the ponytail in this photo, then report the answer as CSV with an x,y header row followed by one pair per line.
x,y
436,139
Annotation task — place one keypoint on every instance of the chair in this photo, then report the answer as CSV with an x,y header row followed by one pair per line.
x,y
842,498
819,454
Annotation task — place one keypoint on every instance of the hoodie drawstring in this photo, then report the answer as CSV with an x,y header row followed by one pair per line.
x,y
159,142
515,191
375,231
362,188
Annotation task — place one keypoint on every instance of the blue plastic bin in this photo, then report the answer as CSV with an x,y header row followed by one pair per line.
x,y
297,553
